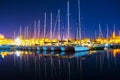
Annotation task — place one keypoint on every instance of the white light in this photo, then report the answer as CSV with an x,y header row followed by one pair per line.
x,y
17,53
106,45
17,41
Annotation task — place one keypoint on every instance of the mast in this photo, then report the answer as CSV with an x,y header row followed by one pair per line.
x,y
27,32
38,29
76,32
55,26
20,30
79,21
100,32
45,25
107,31
51,27
63,32
14,35
58,24
68,17
114,28
35,29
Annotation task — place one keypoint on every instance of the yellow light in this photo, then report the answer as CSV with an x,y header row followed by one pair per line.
x,y
1,36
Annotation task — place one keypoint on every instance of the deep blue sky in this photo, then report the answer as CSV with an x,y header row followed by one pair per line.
x,y
14,13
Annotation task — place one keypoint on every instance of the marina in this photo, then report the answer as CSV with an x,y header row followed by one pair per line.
x,y
59,40
58,48
42,39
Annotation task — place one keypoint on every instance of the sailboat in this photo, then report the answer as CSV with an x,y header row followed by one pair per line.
x,y
75,47
79,47
101,46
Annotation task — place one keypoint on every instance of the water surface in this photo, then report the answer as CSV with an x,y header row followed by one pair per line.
x,y
88,65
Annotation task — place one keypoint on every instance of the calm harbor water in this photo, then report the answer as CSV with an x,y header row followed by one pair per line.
x,y
89,65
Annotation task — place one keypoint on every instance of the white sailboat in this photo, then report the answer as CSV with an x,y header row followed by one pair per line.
x,y
76,47
79,47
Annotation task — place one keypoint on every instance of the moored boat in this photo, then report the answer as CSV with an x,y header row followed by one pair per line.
x,y
80,48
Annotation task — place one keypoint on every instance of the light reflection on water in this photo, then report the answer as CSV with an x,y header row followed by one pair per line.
x,y
86,65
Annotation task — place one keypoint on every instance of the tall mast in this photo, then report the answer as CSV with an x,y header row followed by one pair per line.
x,y
76,32
114,28
45,25
79,21
35,29
51,27
38,29
20,30
27,30
14,35
68,21
100,32
55,26
107,31
58,24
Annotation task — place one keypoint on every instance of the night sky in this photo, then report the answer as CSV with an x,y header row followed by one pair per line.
x,y
14,13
